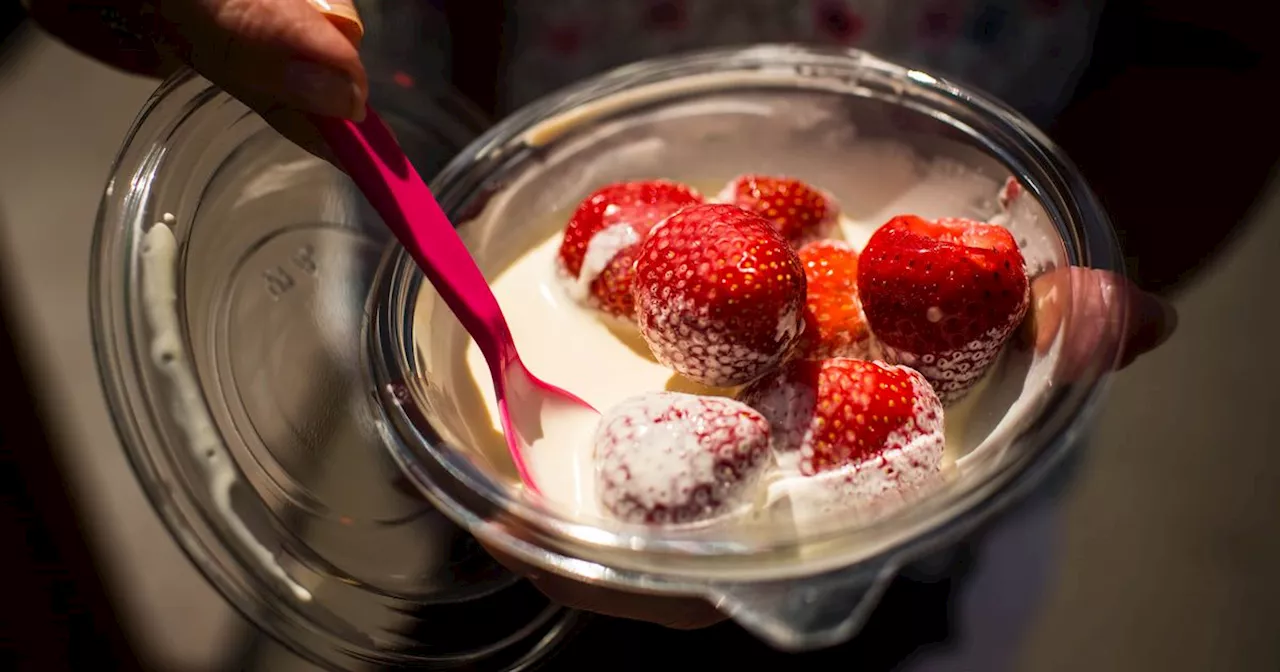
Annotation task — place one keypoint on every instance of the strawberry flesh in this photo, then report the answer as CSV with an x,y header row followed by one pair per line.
x,y
669,458
834,323
800,212
943,297
719,295
600,242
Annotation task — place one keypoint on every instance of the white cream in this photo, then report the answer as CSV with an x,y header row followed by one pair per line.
x,y
558,454
568,346
159,261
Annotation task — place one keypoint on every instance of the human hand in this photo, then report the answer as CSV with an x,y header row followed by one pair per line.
x,y
282,58
1110,319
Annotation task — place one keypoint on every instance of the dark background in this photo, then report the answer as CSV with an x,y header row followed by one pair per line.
x,y
1172,124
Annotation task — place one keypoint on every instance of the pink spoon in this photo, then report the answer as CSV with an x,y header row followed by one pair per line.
x,y
373,159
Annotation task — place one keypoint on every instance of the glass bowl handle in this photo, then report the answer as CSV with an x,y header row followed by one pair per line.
x,y
806,614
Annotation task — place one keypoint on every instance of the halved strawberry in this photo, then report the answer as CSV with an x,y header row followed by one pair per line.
x,y
879,425
719,295
600,241
943,297
834,323
801,213
673,458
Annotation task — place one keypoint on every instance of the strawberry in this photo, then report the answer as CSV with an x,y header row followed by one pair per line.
x,y
943,297
1007,199
1011,191
800,212
673,458
834,324
875,427
598,250
719,295
611,290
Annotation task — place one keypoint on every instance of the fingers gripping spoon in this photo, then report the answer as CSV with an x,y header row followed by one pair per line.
x,y
532,412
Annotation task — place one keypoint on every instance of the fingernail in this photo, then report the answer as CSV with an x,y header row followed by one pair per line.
x,y
343,8
343,15
321,90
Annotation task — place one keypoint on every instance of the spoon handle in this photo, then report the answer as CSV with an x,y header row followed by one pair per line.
x,y
370,155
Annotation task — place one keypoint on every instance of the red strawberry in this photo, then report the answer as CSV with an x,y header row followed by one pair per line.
x,y
943,297
834,324
611,291
1010,192
604,233
800,212
719,295
878,426
672,458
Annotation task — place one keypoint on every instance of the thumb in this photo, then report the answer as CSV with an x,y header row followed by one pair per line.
x,y
1105,317
275,53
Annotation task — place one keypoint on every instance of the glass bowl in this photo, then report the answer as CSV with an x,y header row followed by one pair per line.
x,y
845,120
230,301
